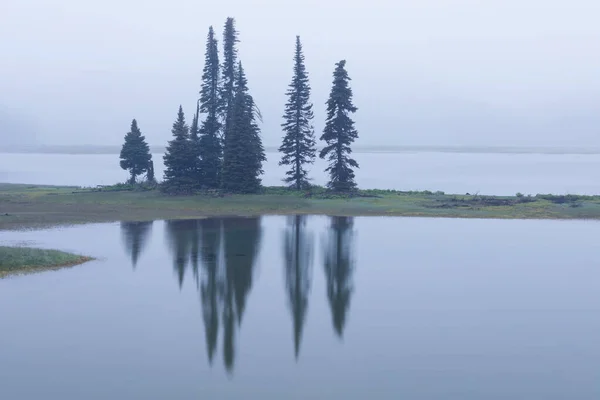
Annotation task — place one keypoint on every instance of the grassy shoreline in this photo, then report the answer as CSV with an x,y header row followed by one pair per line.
x,y
32,206
25,260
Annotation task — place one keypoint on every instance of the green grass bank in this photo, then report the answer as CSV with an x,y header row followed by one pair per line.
x,y
19,260
31,206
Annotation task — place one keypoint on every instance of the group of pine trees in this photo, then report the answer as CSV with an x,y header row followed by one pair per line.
x,y
299,146
225,151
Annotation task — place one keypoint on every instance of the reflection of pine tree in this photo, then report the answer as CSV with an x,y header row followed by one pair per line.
x,y
298,250
338,270
227,255
242,241
229,332
211,288
183,237
135,236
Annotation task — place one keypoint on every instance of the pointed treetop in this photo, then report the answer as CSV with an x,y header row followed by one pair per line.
x,y
230,38
299,57
230,28
179,126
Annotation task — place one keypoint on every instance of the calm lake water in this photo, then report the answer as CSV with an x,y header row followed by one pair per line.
x,y
308,308
491,173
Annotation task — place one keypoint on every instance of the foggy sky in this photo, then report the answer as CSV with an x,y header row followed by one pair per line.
x,y
505,72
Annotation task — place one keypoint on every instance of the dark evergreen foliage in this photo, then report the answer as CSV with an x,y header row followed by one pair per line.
x,y
135,153
229,73
150,176
298,145
339,132
211,151
243,151
195,147
180,159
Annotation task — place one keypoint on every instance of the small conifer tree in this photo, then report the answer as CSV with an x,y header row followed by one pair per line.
x,y
339,133
179,159
135,153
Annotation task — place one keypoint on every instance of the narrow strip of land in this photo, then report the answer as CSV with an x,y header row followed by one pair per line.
x,y
30,206
24,260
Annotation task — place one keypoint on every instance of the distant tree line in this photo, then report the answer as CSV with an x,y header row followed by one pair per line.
x,y
222,149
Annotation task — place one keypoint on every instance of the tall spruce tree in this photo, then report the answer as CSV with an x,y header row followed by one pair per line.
x,y
211,151
298,145
135,153
243,152
179,159
229,73
195,146
339,132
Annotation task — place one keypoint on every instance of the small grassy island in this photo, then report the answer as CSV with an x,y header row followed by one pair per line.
x,y
18,260
28,206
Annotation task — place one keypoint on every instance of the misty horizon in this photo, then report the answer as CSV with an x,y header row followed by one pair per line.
x,y
436,73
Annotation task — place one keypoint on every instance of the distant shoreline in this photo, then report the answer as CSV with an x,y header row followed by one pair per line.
x,y
92,149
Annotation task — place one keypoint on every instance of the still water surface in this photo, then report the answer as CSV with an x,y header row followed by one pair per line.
x,y
308,308
491,173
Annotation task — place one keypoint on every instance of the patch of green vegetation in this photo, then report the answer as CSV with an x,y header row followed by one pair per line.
x,y
15,260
